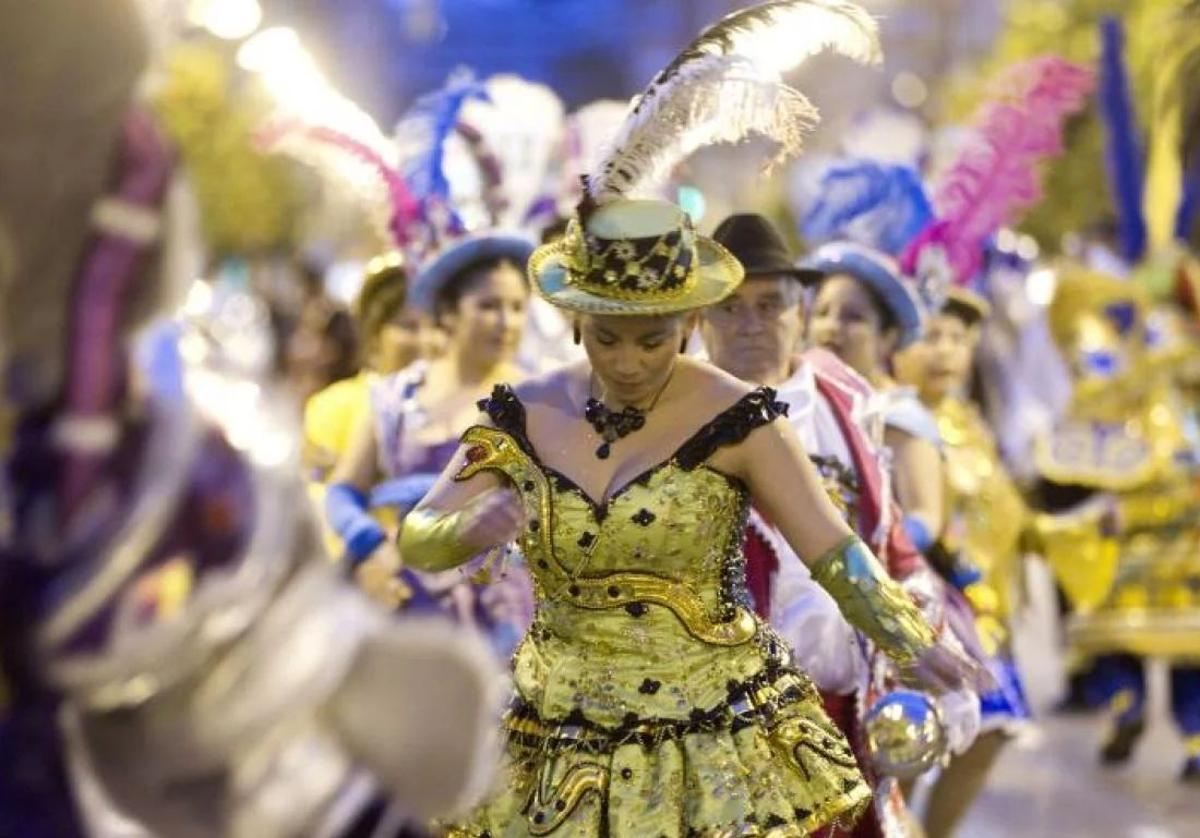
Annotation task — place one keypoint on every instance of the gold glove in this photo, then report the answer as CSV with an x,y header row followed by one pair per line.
x,y
429,540
872,602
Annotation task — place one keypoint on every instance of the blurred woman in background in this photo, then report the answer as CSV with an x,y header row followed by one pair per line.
x,y
864,313
391,336
477,294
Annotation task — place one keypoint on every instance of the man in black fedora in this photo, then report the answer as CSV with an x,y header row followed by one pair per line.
x,y
755,332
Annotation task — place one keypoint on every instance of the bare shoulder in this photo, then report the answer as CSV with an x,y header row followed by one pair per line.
x,y
709,384
553,388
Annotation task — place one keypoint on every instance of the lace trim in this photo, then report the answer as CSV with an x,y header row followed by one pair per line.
x,y
731,426
508,414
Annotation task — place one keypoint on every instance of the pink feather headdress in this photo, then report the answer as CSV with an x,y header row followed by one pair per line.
x,y
996,175
395,216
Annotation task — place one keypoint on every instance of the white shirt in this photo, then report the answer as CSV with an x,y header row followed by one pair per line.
x,y
824,645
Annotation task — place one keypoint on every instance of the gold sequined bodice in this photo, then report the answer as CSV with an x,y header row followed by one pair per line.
x,y
642,590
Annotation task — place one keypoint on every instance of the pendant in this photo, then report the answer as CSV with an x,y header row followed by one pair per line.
x,y
603,451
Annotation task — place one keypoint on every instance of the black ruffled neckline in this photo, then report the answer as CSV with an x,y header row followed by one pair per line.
x,y
729,427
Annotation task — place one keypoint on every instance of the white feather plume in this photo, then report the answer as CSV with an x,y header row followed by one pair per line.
x,y
728,85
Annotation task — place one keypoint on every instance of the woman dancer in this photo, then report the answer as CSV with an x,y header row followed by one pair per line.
x,y
392,336
987,515
649,697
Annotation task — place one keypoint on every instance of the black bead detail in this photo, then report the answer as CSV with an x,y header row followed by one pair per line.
x,y
649,686
534,525
636,609
644,518
573,590
539,817
586,540
614,591
528,486
543,564
560,805
626,773
603,451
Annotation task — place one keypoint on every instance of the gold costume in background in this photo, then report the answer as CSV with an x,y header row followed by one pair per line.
x,y
986,509
1129,556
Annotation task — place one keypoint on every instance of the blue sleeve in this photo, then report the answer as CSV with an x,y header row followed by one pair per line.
x,y
346,511
918,533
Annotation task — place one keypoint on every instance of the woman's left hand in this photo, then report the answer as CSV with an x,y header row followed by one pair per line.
x,y
942,668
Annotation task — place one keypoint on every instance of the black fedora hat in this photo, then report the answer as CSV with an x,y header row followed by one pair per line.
x,y
760,248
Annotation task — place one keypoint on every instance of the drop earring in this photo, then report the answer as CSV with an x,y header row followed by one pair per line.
x,y
683,346
575,335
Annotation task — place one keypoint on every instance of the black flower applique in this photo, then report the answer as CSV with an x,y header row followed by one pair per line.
x,y
644,518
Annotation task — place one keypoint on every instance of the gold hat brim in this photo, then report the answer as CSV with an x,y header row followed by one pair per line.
x,y
719,274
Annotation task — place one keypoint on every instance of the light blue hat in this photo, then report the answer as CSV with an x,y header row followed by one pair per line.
x,y
880,273
447,263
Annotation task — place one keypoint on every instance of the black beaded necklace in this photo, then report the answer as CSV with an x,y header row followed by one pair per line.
x,y
611,424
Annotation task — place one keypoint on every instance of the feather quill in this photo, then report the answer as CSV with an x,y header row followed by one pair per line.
x,y
996,175
1123,153
728,85
880,205
327,149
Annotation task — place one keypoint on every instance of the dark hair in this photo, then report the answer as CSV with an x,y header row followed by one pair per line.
x,y
555,230
445,300
339,330
382,296
967,314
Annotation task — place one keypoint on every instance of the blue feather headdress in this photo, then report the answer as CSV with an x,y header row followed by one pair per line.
x,y
1123,154
881,205
421,137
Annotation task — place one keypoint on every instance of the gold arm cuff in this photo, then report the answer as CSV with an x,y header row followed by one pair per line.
x,y
429,541
872,602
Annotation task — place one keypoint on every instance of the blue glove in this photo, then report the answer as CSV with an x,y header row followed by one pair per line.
x,y
346,511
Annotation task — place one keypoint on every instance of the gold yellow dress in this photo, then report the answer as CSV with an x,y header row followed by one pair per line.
x,y
330,417
649,698
986,509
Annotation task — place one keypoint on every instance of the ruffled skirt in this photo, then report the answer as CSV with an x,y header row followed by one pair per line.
x,y
766,762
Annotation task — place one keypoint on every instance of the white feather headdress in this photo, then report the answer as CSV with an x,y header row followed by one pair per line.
x,y
728,85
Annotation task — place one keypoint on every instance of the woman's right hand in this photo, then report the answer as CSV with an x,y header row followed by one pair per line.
x,y
379,577
493,519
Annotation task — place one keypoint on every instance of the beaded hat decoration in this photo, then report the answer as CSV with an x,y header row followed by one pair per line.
x,y
634,257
